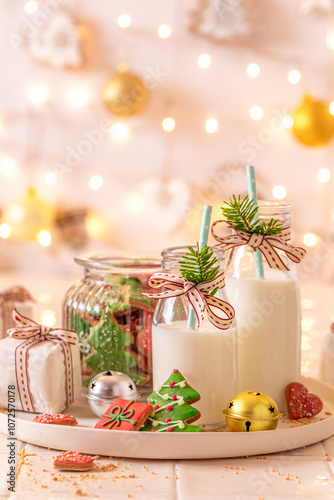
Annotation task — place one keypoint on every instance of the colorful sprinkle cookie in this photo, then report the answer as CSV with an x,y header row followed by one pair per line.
x,y
124,415
300,402
58,419
172,411
70,460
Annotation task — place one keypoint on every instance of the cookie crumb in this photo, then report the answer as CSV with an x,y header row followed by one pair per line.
x,y
80,493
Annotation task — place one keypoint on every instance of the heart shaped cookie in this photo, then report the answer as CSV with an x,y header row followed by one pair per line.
x,y
300,403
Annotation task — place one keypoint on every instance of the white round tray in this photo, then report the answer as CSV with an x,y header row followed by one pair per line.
x,y
85,439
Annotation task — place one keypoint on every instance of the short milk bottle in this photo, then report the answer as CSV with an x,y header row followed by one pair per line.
x,y
206,355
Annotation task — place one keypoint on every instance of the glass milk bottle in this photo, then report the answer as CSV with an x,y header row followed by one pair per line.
x,y
206,356
268,314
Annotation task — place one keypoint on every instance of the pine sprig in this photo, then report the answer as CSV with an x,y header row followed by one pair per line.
x,y
242,215
198,265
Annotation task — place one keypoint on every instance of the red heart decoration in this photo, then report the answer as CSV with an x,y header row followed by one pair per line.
x,y
300,403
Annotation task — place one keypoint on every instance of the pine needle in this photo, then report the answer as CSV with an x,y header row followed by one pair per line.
x,y
198,265
243,216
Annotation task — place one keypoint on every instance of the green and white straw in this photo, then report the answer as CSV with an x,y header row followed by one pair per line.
x,y
251,181
203,240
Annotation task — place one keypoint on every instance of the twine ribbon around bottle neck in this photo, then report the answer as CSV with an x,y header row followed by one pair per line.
x,y
198,295
267,244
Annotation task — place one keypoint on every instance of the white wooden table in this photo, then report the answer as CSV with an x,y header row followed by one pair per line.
x,y
302,473
297,474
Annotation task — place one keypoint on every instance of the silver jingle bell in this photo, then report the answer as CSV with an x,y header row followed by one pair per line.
x,y
107,386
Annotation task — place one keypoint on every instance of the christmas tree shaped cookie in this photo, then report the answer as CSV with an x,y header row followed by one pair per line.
x,y
111,348
172,410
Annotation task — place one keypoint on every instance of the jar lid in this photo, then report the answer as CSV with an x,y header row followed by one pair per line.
x,y
122,264
274,208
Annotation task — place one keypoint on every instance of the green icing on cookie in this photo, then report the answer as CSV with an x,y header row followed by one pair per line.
x,y
187,392
171,408
149,427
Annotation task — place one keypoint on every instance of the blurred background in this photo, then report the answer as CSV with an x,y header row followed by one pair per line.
x,y
119,120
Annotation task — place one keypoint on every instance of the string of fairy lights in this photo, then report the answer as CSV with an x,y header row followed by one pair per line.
x,y
120,131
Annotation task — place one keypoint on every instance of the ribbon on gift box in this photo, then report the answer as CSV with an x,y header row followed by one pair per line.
x,y
267,244
197,294
31,333
121,415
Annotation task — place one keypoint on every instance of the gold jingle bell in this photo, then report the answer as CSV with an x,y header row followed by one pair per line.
x,y
124,94
252,411
313,123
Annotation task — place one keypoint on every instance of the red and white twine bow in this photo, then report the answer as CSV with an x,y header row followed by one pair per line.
x,y
198,296
267,244
31,333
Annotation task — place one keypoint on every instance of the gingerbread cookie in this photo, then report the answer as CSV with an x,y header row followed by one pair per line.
x,y
171,409
58,419
124,415
300,402
70,460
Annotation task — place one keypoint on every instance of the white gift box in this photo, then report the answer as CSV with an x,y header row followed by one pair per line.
x,y
46,372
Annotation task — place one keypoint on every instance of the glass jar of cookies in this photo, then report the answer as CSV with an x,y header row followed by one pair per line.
x,y
112,318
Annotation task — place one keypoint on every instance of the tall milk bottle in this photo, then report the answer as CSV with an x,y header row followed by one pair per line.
x,y
268,313
206,356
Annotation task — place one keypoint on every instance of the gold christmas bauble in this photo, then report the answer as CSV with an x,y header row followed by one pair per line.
x,y
313,123
252,411
28,216
124,94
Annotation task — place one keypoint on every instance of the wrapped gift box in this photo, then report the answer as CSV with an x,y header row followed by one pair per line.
x,y
14,297
44,370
